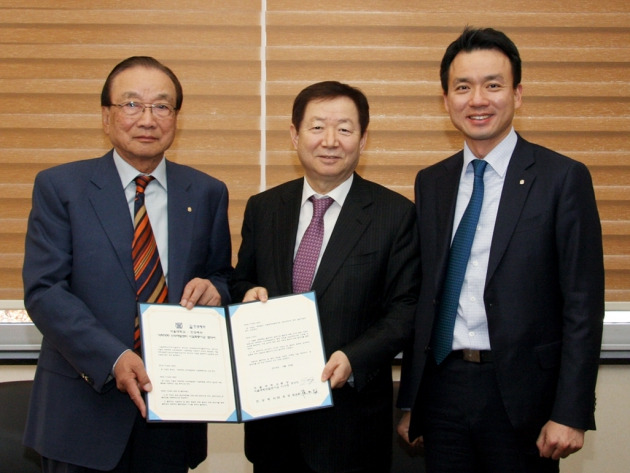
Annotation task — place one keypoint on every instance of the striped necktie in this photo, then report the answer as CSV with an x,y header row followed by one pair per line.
x,y
147,269
442,340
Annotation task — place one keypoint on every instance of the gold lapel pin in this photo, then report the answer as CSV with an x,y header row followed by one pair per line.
x,y
521,183
189,209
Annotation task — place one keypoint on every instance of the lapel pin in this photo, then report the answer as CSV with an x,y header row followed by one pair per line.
x,y
521,183
189,209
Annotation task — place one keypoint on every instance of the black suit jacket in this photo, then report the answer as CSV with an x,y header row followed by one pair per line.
x,y
544,291
80,293
366,288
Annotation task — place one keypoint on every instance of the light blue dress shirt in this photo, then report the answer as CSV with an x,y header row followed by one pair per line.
x,y
471,323
156,200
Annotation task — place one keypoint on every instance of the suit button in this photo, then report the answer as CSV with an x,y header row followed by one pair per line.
x,y
87,379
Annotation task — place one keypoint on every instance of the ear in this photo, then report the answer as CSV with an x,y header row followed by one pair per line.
x,y
363,141
105,113
518,96
294,136
445,99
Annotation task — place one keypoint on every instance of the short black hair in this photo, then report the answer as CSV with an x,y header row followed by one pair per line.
x,y
331,90
141,61
481,38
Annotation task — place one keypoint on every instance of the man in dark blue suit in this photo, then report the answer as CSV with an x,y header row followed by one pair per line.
x,y
87,411
517,390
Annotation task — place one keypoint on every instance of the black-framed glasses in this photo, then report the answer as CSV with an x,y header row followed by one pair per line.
x,y
135,109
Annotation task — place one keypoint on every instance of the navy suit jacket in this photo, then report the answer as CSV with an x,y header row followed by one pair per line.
x,y
544,290
80,293
366,288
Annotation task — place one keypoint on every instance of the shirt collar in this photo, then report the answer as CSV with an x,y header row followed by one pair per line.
x,y
499,157
128,173
338,194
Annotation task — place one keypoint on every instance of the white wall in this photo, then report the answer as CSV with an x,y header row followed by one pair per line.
x,y
606,449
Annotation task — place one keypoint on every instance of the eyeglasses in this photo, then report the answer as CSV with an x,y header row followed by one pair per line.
x,y
135,109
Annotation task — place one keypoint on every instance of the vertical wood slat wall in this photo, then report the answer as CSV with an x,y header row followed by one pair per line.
x,y
54,56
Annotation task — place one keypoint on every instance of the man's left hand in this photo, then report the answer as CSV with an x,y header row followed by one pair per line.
x,y
559,441
337,370
200,292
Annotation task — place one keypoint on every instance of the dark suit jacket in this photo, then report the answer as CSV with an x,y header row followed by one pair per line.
x,y
366,288
544,292
80,293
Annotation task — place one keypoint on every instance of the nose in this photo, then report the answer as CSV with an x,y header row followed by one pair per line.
x,y
146,117
330,137
478,97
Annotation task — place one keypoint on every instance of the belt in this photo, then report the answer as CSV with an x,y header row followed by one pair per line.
x,y
474,356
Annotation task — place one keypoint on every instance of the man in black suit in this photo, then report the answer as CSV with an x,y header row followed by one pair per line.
x,y
366,286
517,390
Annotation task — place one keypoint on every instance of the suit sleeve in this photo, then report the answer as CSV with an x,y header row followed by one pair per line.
x,y
244,275
394,329
220,255
409,373
581,269
67,324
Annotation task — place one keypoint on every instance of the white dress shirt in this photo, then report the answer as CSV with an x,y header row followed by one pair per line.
x,y
338,194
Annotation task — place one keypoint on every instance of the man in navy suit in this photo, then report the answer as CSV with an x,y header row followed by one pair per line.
x,y
87,411
366,285
517,390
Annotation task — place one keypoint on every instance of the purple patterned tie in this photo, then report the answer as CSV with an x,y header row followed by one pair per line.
x,y
308,252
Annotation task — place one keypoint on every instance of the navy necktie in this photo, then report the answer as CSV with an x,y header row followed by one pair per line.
x,y
442,340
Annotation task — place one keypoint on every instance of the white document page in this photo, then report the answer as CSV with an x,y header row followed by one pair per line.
x,y
279,356
187,355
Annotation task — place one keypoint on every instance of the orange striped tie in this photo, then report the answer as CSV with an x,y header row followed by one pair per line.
x,y
147,269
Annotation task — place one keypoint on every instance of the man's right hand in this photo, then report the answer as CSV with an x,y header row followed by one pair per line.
x,y
257,293
403,431
132,378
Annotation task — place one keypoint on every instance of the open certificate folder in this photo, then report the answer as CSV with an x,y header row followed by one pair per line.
x,y
236,363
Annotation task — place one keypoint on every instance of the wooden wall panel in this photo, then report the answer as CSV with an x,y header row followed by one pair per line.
x,y
55,55
575,79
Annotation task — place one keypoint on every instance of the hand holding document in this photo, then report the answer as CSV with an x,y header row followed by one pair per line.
x,y
234,364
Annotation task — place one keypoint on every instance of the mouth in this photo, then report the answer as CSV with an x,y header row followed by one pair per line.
x,y
146,139
479,117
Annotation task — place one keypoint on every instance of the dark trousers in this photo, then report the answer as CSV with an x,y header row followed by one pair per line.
x,y
275,445
287,464
467,429
152,448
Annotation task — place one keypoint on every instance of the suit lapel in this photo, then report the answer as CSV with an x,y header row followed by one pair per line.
x,y
285,223
447,186
352,222
182,205
107,198
518,181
